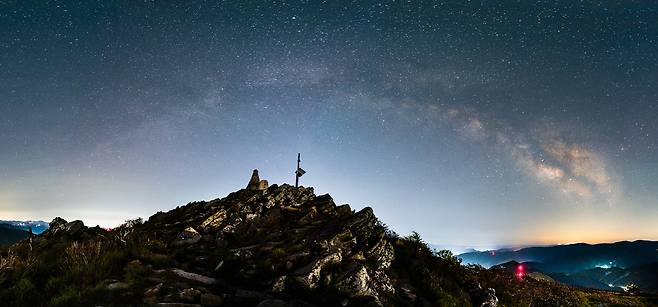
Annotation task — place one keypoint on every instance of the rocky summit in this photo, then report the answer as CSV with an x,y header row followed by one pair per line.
x,y
283,246
277,246
280,246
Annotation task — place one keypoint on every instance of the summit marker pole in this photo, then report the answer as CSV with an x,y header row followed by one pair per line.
x,y
297,171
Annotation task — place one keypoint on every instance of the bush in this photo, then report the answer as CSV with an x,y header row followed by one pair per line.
x,y
135,274
68,297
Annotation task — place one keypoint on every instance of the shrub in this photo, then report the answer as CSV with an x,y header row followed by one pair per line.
x,y
69,297
82,254
278,253
135,274
10,261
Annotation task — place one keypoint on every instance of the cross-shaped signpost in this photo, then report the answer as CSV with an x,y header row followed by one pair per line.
x,y
299,172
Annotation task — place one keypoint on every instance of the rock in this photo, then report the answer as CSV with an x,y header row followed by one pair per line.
x,y
208,299
187,237
343,240
255,184
250,295
299,303
490,299
356,283
278,285
117,286
189,295
381,254
59,226
56,223
343,210
482,297
271,218
409,294
75,227
309,217
194,277
281,303
381,283
214,221
362,224
359,257
151,294
325,204
309,276
272,303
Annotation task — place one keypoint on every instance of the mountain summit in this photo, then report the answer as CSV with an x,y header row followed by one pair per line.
x,y
277,246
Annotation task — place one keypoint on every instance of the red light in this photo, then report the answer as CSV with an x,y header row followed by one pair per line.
x,y
519,271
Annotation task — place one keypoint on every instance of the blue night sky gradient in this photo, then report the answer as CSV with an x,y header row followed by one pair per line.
x,y
479,123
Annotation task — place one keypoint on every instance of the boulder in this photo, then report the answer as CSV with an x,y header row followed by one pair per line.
x,y
272,303
344,210
194,277
56,223
382,283
117,286
187,237
74,228
151,294
214,221
278,285
255,184
381,254
208,299
356,283
189,295
325,204
482,297
243,294
362,224
59,226
309,276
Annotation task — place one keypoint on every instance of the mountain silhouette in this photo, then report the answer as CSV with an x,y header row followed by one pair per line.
x,y
572,258
276,246
10,234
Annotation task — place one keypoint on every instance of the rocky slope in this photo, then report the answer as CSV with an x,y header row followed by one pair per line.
x,y
281,246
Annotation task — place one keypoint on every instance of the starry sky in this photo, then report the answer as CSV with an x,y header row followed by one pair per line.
x,y
475,123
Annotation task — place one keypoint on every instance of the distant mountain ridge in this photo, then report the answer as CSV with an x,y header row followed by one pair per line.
x,y
607,266
37,226
573,257
10,234
15,231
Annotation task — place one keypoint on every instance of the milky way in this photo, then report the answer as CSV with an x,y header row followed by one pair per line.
x,y
474,123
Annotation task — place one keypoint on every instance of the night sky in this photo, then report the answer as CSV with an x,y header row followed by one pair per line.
x,y
475,123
